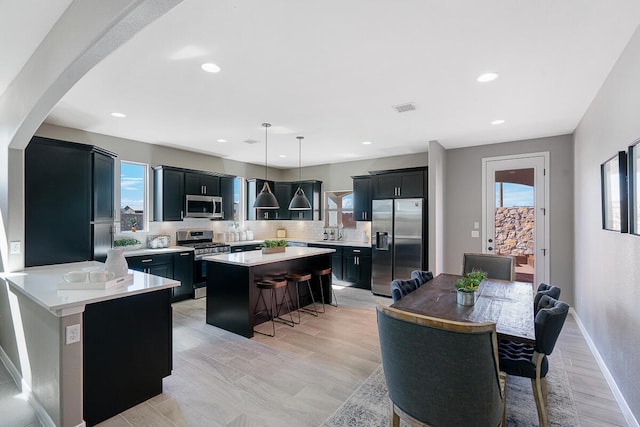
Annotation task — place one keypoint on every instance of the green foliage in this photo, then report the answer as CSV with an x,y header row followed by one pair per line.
x,y
470,281
125,242
274,243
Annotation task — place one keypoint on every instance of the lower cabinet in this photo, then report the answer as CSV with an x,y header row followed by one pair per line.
x,y
177,266
351,264
356,266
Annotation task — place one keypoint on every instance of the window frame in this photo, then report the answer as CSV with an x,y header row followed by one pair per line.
x,y
145,216
340,211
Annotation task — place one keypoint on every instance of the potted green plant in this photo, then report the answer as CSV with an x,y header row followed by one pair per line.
x,y
467,287
273,246
127,243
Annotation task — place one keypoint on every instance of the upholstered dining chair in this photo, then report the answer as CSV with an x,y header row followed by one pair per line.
x,y
440,372
528,361
422,276
544,289
499,267
401,288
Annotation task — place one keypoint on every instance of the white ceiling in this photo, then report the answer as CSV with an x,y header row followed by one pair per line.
x,y
332,70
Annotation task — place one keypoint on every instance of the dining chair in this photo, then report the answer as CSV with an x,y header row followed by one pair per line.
x,y
401,288
440,372
544,289
499,267
530,361
422,276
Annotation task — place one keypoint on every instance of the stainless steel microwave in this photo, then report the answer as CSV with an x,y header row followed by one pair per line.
x,y
198,206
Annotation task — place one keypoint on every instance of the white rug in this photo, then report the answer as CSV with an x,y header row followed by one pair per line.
x,y
369,405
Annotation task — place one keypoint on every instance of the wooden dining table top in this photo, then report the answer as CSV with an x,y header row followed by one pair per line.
x,y
508,304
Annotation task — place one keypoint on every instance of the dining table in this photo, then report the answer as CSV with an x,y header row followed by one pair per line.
x,y
509,304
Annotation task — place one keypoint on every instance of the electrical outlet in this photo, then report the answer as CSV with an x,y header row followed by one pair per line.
x,y
476,225
73,333
475,233
14,248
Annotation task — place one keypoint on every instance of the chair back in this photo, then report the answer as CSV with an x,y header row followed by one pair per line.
x,y
441,372
401,288
422,276
548,323
544,289
496,266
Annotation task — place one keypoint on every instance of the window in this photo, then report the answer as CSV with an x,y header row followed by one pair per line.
x,y
238,193
338,209
133,196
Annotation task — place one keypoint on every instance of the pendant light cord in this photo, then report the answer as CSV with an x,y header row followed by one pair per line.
x,y
265,126
300,138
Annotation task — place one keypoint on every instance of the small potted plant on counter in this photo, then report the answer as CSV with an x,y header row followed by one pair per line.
x,y
467,287
127,244
273,246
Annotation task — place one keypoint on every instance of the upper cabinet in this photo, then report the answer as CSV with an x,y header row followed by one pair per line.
x,y
203,184
284,191
69,203
172,184
362,198
399,183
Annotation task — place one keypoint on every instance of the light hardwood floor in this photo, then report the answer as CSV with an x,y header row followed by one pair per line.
x,y
300,377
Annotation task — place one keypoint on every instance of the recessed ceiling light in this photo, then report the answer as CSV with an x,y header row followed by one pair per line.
x,y
210,67
487,77
497,122
366,142
222,140
119,115
283,155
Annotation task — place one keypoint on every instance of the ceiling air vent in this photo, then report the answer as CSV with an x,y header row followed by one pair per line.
x,y
403,108
250,141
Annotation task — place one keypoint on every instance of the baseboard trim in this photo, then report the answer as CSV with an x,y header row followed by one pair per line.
x,y
41,413
626,411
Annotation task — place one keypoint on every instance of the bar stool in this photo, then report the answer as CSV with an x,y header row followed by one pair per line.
x,y
273,309
325,273
297,279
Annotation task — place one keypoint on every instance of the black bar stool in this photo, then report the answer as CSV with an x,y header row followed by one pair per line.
x,y
273,308
297,279
325,273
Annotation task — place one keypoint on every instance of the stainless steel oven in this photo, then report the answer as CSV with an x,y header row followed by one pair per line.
x,y
202,243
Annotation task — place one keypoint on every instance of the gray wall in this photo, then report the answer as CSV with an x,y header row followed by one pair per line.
x,y
437,184
607,264
463,203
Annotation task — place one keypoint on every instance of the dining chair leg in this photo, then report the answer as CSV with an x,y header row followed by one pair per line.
x,y
395,418
543,385
536,385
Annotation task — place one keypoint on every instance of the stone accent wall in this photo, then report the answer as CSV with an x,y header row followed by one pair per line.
x,y
514,231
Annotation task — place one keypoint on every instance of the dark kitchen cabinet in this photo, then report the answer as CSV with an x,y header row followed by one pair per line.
x,y
356,266
68,202
312,189
336,258
254,187
200,183
228,194
284,191
362,198
156,264
183,272
403,183
168,194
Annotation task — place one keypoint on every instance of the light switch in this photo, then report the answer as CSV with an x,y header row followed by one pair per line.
x,y
15,248
476,225
475,233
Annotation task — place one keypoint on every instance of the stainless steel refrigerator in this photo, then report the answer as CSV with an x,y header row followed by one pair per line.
x,y
397,241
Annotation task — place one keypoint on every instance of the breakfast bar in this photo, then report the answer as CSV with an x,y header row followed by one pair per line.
x,y
231,289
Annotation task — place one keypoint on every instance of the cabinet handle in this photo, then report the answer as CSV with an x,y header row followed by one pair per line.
x,y
357,251
181,214
185,253
205,189
147,260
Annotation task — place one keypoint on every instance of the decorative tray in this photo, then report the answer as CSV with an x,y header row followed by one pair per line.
x,y
113,283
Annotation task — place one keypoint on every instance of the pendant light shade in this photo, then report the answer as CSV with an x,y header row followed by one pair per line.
x,y
266,199
299,202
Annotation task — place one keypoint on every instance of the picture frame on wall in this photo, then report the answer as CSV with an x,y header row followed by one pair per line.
x,y
634,187
613,178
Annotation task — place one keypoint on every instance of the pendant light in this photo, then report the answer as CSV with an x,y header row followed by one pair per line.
x,y
266,199
299,201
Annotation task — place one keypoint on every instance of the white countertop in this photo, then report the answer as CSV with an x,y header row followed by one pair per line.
x,y
307,241
40,284
152,251
253,258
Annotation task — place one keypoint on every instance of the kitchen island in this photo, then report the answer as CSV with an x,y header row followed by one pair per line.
x,y
231,283
85,354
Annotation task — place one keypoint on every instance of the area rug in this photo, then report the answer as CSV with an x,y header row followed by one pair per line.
x,y
369,405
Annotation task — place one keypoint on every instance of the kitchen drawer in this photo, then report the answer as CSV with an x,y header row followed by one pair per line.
x,y
356,250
